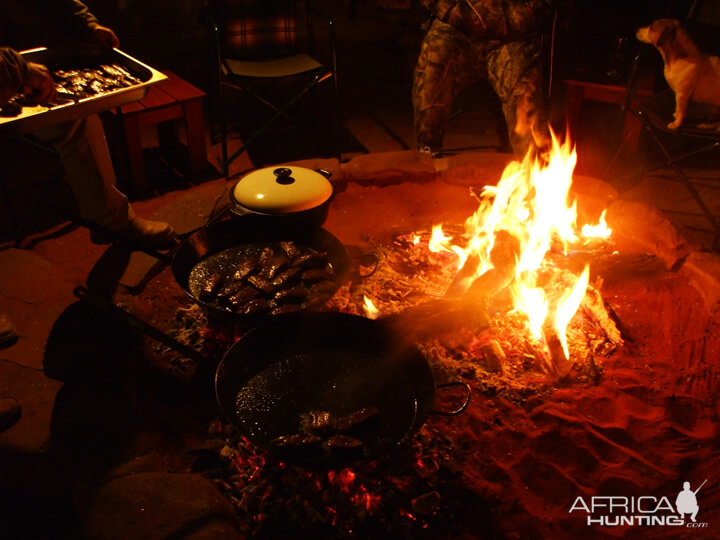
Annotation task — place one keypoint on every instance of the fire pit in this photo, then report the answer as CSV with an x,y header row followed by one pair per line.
x,y
621,403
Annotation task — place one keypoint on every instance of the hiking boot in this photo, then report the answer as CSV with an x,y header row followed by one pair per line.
x,y
140,232
149,234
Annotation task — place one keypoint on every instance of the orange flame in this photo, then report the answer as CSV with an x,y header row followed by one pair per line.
x,y
601,230
371,311
531,204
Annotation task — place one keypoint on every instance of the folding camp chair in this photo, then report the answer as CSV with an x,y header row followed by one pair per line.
x,y
699,133
254,45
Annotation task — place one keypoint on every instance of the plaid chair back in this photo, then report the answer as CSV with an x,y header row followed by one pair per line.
x,y
257,29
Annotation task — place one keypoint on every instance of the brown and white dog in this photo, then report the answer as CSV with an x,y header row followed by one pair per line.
x,y
692,74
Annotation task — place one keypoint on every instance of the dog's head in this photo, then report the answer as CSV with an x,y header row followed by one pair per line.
x,y
659,33
669,36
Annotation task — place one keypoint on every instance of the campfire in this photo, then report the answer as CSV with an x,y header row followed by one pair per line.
x,y
565,398
510,266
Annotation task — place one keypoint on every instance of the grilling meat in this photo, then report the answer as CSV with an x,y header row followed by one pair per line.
x,y
345,447
242,297
274,266
290,249
246,268
297,294
211,287
253,307
311,259
318,422
297,440
283,277
356,420
90,81
286,308
261,284
14,106
287,278
317,274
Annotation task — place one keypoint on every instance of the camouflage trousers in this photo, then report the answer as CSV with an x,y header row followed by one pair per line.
x,y
449,62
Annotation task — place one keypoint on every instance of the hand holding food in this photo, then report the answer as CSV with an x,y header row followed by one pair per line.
x,y
39,86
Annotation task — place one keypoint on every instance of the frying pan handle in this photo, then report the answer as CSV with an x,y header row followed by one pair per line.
x,y
462,407
370,260
128,318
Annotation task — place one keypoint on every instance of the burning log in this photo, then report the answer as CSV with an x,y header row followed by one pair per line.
x,y
462,305
559,364
598,310
494,357
438,317
503,256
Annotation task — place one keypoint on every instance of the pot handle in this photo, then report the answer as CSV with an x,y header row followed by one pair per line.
x,y
462,407
325,173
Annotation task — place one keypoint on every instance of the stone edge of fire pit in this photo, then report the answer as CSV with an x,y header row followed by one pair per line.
x,y
161,505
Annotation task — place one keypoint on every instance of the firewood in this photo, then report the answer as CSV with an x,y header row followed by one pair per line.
x,y
494,357
559,364
596,308
437,317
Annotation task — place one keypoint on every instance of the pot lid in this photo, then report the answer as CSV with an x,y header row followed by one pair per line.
x,y
282,190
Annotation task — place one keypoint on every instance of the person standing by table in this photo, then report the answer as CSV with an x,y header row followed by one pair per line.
x,y
470,40
81,144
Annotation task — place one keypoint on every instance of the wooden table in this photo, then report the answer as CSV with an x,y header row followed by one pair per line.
x,y
167,101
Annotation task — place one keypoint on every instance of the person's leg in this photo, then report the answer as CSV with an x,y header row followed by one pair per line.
x,y
514,72
448,62
85,156
694,513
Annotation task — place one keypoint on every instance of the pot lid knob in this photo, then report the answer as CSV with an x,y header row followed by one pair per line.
x,y
283,176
